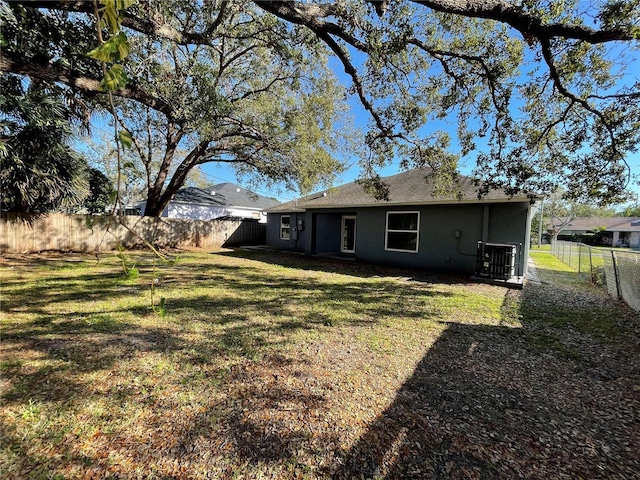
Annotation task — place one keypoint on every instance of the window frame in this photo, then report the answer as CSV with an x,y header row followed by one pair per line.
x,y
342,230
387,231
283,227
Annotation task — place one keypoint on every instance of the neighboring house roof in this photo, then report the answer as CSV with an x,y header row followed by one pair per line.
x,y
236,196
611,224
197,196
407,188
224,195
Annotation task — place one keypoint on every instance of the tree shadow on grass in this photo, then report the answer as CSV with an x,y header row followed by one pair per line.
x,y
483,402
60,335
496,402
38,296
70,347
344,267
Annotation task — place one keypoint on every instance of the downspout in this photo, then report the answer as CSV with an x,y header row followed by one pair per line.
x,y
540,223
527,241
310,237
485,223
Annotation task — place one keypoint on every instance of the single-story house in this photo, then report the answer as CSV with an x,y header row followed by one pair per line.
x,y
222,200
625,230
414,228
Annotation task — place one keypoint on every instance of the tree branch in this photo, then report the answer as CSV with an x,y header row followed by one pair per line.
x,y
53,73
557,81
528,24
350,70
315,15
488,75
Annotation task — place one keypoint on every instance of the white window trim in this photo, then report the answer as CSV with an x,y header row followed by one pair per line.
x,y
282,227
348,217
387,231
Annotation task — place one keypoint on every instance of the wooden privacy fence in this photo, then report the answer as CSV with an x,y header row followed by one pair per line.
x,y
23,233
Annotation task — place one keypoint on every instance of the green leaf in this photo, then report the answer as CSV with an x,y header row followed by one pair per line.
x,y
126,140
110,18
99,53
113,50
115,79
120,5
132,273
110,13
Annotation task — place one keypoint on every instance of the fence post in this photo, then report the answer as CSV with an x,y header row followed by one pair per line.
x,y
615,273
579,258
591,266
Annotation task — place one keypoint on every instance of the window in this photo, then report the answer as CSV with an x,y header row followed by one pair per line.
x,y
402,231
285,227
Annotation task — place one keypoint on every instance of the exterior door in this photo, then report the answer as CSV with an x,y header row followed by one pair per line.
x,y
348,244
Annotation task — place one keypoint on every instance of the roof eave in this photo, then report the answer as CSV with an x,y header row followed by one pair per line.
x,y
253,209
415,204
196,204
303,208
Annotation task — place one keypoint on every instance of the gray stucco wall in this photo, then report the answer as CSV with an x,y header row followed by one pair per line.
x,y
507,222
328,228
438,249
296,242
448,234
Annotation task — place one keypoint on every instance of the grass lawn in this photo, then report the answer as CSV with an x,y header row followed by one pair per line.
x,y
270,365
541,248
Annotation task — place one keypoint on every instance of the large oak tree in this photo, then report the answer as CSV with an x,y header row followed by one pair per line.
x,y
542,93
259,96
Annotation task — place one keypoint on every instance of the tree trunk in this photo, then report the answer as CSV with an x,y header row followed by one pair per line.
x,y
156,202
154,209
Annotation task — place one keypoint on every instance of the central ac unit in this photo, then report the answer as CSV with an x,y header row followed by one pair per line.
x,y
496,260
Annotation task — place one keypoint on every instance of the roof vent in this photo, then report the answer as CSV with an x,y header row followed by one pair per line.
x,y
212,192
237,190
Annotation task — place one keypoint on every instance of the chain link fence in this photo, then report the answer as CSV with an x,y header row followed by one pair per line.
x,y
617,270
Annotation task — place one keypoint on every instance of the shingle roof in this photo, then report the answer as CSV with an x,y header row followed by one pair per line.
x,y
224,195
611,224
197,196
412,187
237,196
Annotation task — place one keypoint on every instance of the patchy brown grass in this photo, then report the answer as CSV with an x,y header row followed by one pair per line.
x,y
280,366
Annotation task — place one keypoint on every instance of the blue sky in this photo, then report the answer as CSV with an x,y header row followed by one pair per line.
x,y
218,173
223,173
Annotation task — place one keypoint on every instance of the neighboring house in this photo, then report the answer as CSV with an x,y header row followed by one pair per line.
x,y
222,200
412,229
625,230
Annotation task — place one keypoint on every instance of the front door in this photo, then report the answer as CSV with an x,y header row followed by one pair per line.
x,y
348,244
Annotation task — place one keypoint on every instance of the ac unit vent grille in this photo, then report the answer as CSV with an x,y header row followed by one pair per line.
x,y
496,260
